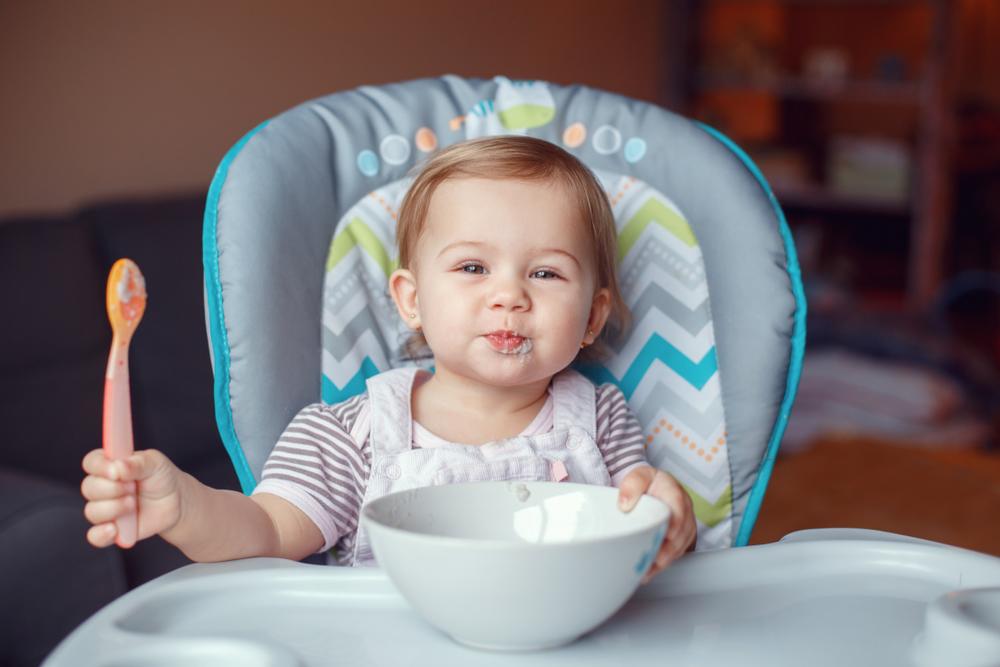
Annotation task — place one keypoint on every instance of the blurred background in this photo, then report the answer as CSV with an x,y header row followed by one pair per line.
x,y
876,122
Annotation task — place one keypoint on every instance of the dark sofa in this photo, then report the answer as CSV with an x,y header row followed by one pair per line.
x,y
53,351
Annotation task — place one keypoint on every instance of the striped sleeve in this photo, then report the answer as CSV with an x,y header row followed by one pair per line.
x,y
619,435
318,467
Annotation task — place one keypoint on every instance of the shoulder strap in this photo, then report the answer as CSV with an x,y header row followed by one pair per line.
x,y
574,399
389,421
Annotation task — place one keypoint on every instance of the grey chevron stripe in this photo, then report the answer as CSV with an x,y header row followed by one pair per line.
x,y
662,397
669,458
720,536
339,346
335,296
654,251
654,296
352,270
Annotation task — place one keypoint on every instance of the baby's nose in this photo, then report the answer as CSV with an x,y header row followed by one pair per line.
x,y
510,295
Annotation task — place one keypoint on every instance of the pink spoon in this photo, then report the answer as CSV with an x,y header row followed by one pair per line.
x,y
126,298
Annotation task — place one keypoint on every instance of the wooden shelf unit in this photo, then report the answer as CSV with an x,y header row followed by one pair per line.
x,y
927,98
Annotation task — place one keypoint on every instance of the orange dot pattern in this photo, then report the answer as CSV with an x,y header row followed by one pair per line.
x,y
684,440
425,139
385,204
614,199
575,135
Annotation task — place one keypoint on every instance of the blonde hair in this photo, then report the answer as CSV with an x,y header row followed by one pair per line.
x,y
528,159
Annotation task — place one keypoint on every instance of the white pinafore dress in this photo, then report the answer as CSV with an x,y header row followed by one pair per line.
x,y
569,451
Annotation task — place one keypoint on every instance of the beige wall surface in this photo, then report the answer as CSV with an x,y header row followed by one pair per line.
x,y
112,98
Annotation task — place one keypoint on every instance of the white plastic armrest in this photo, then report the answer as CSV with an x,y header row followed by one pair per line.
x,y
818,534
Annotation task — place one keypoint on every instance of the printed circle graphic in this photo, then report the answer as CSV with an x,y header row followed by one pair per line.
x,y
607,140
635,149
575,135
368,162
395,149
426,140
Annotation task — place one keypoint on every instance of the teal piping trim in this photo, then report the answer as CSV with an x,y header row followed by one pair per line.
x,y
216,316
797,349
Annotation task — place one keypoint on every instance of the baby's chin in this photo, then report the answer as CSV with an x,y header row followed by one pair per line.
x,y
515,370
508,368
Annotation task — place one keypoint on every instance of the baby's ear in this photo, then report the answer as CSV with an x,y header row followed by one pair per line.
x,y
403,289
600,308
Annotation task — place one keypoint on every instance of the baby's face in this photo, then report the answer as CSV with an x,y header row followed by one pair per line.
x,y
505,279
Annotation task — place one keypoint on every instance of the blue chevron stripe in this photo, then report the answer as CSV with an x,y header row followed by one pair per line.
x,y
696,374
331,393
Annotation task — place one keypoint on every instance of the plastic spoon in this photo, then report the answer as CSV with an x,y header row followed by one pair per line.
x,y
126,299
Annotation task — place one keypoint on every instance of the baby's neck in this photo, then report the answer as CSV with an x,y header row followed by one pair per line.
x,y
474,413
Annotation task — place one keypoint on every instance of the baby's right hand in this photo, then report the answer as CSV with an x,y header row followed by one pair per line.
x,y
146,482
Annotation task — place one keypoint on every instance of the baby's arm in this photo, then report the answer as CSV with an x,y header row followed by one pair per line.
x,y
620,439
206,524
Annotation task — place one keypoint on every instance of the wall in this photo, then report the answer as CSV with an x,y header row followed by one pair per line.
x,y
131,97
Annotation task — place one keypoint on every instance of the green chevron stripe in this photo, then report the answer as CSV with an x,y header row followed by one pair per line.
x,y
654,211
710,513
357,233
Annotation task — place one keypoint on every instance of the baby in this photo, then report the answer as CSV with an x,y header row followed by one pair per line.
x,y
507,249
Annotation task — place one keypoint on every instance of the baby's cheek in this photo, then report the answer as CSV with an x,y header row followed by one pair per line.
x,y
442,334
574,321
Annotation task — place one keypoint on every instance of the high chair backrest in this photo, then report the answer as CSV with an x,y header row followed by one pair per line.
x,y
299,241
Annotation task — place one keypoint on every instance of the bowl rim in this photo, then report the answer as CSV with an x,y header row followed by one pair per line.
x,y
494,544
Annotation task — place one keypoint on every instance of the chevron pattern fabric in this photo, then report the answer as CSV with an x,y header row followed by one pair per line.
x,y
667,366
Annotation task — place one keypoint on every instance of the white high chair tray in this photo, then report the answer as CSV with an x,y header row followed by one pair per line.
x,y
816,598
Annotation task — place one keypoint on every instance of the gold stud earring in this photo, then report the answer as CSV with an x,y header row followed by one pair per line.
x,y
412,315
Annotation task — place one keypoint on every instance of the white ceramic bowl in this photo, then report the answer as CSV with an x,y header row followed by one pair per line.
x,y
514,565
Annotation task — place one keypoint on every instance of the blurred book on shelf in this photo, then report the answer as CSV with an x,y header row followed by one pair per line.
x,y
870,167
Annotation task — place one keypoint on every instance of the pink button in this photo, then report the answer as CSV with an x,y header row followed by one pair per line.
x,y
558,471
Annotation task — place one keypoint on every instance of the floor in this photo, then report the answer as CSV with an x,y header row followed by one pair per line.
x,y
950,496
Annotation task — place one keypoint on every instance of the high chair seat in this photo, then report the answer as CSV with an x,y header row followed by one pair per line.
x,y
299,241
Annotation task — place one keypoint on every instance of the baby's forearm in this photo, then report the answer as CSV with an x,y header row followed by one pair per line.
x,y
217,525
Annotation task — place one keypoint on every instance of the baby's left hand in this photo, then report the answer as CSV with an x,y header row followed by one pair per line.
x,y
682,530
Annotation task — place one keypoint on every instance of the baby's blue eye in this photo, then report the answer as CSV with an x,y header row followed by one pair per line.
x,y
472,268
545,273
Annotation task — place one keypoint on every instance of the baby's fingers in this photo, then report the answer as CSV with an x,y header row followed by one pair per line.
x,y
102,535
103,511
659,563
139,466
680,537
634,486
102,488
135,467
96,463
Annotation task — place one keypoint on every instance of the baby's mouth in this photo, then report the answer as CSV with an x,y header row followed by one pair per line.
x,y
508,342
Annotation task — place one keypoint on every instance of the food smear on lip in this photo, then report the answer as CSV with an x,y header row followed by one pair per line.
x,y
508,342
